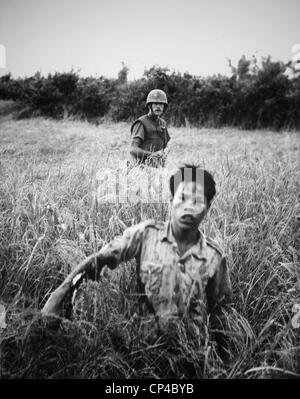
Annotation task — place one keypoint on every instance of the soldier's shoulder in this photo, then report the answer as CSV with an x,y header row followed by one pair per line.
x,y
138,121
149,225
153,224
214,247
142,118
141,227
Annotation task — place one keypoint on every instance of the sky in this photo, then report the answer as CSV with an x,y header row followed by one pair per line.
x,y
94,37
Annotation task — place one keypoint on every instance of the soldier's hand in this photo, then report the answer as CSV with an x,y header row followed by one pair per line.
x,y
53,306
158,154
90,268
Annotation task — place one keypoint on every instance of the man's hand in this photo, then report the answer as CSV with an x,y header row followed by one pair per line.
x,y
90,268
158,154
159,157
166,151
53,306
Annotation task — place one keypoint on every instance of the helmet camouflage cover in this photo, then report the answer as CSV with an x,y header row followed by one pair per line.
x,y
157,96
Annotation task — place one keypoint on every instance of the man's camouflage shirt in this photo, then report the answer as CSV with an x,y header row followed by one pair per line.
x,y
174,286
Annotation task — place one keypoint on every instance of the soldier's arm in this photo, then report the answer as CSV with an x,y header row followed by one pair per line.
x,y
136,150
84,269
219,296
166,149
138,136
119,250
141,154
168,138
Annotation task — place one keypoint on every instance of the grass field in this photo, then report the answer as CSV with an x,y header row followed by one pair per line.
x,y
49,222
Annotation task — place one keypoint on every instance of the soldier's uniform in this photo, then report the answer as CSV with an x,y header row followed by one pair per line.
x,y
150,134
173,286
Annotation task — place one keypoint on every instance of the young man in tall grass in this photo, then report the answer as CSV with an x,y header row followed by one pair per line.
x,y
182,274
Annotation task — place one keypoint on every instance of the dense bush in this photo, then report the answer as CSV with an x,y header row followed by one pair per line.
x,y
52,96
253,97
93,97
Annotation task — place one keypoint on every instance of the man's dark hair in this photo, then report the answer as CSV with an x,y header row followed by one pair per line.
x,y
194,172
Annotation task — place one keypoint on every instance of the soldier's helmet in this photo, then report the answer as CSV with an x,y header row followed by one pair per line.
x,y
157,96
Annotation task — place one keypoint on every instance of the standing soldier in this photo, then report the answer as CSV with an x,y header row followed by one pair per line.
x,y
149,133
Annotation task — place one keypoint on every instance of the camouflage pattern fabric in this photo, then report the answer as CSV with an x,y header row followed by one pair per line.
x,y
174,287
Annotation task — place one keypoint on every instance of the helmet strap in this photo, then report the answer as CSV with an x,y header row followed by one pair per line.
x,y
151,109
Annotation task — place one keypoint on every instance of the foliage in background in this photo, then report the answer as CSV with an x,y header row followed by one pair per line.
x,y
255,96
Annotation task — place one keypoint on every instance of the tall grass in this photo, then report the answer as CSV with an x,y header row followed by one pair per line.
x,y
49,221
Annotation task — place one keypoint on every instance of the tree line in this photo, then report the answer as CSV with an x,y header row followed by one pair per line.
x,y
255,96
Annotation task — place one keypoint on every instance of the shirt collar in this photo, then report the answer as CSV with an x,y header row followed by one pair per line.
x,y
167,233
198,250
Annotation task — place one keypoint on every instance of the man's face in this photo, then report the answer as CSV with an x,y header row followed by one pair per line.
x,y
157,109
189,205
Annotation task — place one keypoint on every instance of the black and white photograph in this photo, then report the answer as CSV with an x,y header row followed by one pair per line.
x,y
149,192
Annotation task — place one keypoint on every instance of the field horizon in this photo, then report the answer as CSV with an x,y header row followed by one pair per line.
x,y
50,221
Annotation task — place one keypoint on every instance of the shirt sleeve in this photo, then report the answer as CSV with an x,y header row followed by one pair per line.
x,y
138,131
168,138
136,142
218,290
124,248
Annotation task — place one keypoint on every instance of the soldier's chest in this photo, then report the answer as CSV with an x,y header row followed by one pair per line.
x,y
171,280
155,131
